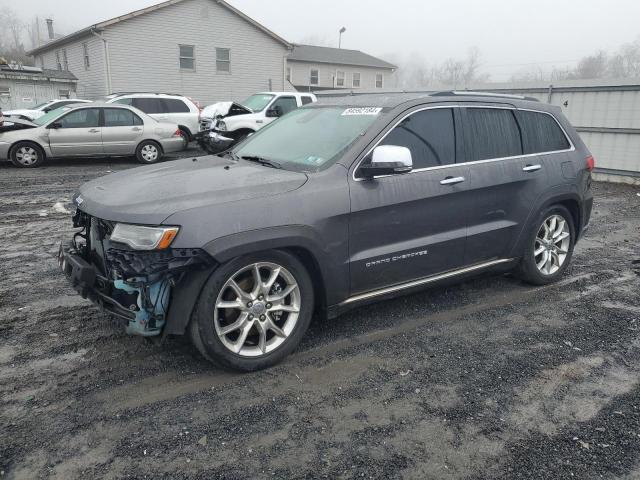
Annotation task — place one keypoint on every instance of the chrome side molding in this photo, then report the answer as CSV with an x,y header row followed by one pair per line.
x,y
423,281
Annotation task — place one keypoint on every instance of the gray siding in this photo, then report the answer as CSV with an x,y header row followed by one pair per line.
x,y
301,72
27,92
92,82
145,56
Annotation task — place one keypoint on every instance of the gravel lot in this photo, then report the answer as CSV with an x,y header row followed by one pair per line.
x,y
488,379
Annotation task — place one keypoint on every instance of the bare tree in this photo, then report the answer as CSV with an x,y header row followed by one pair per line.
x,y
14,26
592,66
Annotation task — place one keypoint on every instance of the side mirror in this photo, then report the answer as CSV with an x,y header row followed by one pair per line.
x,y
388,160
46,110
274,112
55,125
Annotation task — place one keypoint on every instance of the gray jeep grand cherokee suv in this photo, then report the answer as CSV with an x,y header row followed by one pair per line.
x,y
340,203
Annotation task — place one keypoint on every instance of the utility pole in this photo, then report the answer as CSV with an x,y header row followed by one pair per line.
x,y
342,30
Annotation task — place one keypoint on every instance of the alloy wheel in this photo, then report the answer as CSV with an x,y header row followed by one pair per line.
x,y
552,244
26,156
257,309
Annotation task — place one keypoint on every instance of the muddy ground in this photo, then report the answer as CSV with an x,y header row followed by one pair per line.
x,y
488,379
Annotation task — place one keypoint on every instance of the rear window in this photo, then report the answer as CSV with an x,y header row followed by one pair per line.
x,y
491,133
175,105
541,132
149,105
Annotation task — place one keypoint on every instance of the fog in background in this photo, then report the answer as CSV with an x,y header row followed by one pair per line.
x,y
434,42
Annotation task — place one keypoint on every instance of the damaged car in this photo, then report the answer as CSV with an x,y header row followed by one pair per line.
x,y
224,124
338,204
88,130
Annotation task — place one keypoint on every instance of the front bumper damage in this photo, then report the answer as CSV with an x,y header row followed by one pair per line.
x,y
135,286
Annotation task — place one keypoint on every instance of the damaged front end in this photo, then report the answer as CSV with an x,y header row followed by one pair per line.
x,y
133,285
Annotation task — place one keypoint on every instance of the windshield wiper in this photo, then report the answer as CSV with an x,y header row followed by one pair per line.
x,y
261,161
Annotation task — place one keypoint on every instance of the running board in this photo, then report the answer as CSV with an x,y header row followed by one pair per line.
x,y
423,281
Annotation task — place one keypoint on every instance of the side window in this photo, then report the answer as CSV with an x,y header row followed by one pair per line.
x,y
174,105
541,133
306,100
149,105
84,118
314,76
120,117
286,104
491,133
429,134
124,101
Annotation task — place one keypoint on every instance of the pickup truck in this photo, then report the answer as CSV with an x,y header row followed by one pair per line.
x,y
224,124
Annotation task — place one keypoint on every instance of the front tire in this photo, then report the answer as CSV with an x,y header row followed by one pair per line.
x,y
148,152
549,247
26,155
253,311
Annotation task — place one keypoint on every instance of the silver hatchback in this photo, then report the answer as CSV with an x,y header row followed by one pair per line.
x,y
89,130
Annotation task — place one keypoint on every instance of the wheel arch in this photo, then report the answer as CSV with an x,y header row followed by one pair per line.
x,y
187,130
567,198
150,140
43,148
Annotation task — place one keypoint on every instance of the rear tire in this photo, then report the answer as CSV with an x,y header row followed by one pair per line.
x,y
245,324
549,247
148,152
26,155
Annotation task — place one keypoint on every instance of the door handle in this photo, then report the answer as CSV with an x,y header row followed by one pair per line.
x,y
94,130
136,129
531,168
452,180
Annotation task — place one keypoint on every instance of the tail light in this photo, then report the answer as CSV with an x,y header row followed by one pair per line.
x,y
177,133
591,163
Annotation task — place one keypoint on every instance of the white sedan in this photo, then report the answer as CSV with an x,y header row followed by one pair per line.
x,y
40,110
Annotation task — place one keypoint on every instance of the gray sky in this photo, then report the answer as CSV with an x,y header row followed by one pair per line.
x,y
511,34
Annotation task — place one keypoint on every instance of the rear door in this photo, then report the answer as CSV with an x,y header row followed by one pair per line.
x,y
505,182
78,133
405,227
122,131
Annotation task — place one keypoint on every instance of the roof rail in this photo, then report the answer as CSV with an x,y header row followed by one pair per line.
x,y
453,93
119,94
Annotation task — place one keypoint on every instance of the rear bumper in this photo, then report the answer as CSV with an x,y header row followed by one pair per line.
x,y
173,144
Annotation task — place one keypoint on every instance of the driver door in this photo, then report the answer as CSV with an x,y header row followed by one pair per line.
x,y
284,104
408,226
78,133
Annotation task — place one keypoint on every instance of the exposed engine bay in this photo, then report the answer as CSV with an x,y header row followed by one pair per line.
x,y
130,284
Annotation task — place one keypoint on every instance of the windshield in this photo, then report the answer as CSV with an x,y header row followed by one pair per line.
x,y
47,117
308,138
257,102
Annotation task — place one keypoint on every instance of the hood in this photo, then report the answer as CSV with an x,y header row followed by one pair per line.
x,y
224,109
16,124
17,113
148,195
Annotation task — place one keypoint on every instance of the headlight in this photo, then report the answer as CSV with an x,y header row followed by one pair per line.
x,y
222,126
144,238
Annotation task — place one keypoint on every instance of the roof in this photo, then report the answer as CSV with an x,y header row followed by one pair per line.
x,y
33,72
341,56
100,26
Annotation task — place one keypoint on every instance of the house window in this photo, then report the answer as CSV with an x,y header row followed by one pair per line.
x,y
339,79
379,80
355,83
58,64
223,60
314,76
65,61
85,53
5,91
64,93
289,74
187,57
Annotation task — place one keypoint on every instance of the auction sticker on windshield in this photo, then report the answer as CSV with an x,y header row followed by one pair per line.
x,y
362,111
